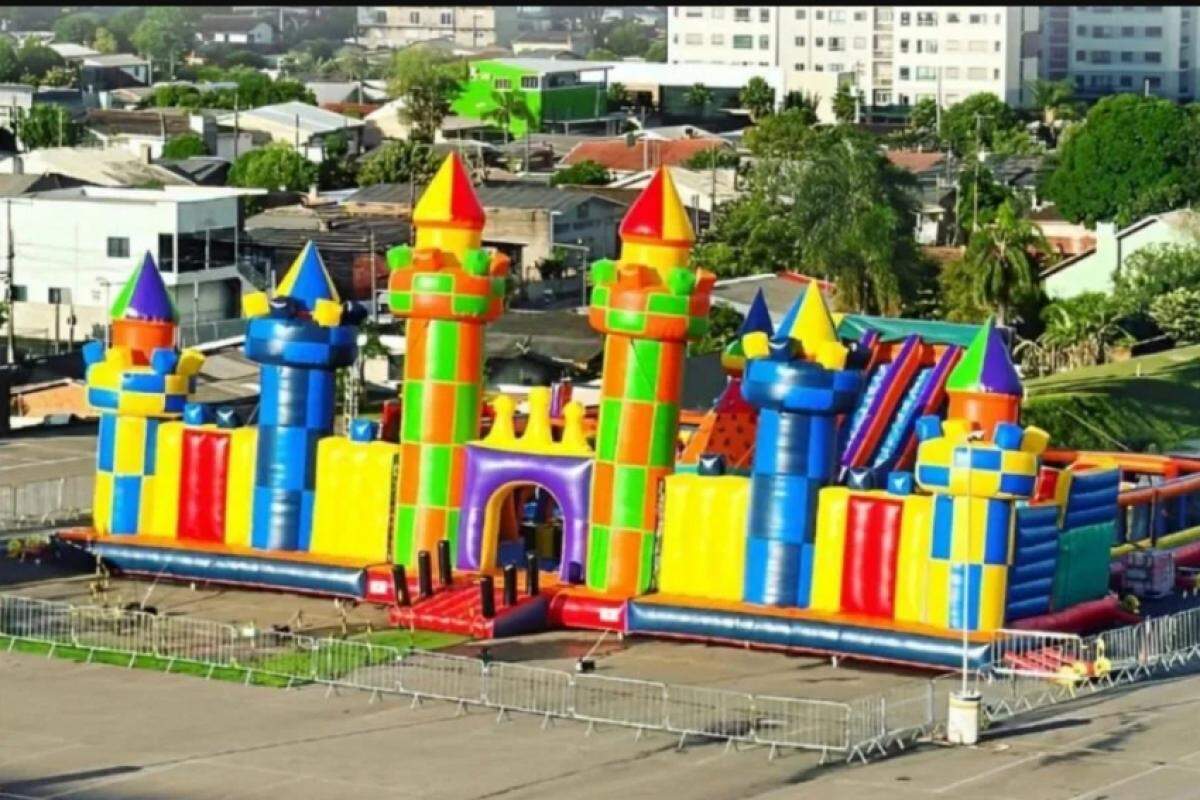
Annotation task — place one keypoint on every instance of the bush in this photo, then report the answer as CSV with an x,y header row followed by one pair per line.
x,y
185,145
585,173
275,167
1177,314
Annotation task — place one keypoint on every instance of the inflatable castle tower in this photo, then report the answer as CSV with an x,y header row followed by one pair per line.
x,y
447,289
300,338
648,304
136,383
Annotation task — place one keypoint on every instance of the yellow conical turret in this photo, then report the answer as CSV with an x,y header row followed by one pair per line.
x,y
449,216
656,231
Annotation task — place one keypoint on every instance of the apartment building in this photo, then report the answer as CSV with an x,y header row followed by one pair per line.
x,y
463,26
896,55
1105,49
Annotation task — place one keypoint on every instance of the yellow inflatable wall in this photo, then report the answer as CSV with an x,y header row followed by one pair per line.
x,y
352,508
704,536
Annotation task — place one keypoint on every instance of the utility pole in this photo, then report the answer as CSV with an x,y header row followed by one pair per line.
x,y
8,292
60,126
374,278
236,131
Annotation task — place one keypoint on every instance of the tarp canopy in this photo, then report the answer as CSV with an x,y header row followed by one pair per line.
x,y
891,329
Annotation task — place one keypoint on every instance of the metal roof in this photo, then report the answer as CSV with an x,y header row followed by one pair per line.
x,y
309,118
547,66
507,196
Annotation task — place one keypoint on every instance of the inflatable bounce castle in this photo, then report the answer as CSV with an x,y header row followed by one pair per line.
x,y
867,495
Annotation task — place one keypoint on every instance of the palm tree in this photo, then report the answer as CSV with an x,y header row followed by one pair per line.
x,y
758,98
698,96
353,64
1001,253
1051,97
507,108
617,95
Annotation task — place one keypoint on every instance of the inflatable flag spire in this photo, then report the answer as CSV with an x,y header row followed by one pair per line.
x,y
656,231
144,318
449,216
985,387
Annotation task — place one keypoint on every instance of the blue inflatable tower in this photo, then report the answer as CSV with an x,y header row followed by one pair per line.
x,y
300,338
799,383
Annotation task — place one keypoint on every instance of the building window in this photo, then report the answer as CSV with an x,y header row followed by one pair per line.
x,y
414,17
57,296
977,73
799,13
1154,57
1127,30
977,19
693,38
743,42
818,67
799,41
529,81
926,74
836,44
820,40
1154,81
952,45
1101,57
446,18
118,247
1081,30
503,84
1081,55
995,74
764,42
950,73
1126,57
952,18
1126,81
926,19
905,17
837,15
694,13
977,46
718,39
905,73
741,15
927,46
1154,32
764,15
837,69
798,67
820,14
20,293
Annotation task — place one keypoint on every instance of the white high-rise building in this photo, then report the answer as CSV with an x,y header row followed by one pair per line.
x,y
896,55
1107,49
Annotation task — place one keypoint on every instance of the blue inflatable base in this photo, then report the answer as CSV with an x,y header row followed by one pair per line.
x,y
235,570
740,627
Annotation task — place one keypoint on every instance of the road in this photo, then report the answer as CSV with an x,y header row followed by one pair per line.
x,y
100,732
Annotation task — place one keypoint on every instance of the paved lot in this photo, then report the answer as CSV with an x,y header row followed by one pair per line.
x,y
39,455
100,732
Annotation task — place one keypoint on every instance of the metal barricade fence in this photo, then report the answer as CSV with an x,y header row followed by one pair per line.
x,y
441,676
712,713
1035,653
29,506
1125,648
805,724
619,701
515,687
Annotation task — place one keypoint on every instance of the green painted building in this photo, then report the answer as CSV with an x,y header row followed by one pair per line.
x,y
554,92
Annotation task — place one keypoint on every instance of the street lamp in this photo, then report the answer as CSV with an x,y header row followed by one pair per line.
x,y
106,284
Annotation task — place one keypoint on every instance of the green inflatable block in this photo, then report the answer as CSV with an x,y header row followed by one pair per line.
x,y
1083,564
399,257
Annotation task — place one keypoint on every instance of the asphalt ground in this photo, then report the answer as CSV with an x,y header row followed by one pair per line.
x,y
77,731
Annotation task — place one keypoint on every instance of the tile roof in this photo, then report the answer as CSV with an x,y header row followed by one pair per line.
x,y
615,154
915,161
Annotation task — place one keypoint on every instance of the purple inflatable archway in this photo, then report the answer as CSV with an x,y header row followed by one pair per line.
x,y
491,472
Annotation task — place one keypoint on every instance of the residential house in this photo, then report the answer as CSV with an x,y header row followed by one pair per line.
x,y
18,185
111,168
936,193
1065,238
664,87
531,43
468,26
200,170
1093,269
554,93
624,155
141,133
306,128
100,75
386,122
526,221
73,248
73,53
327,92
15,98
241,29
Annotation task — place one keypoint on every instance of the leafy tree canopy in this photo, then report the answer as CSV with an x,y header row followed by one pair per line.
x,y
1131,156
397,162
105,41
78,28
779,135
975,119
275,167
426,82
585,173
46,125
185,145
757,97
602,54
165,34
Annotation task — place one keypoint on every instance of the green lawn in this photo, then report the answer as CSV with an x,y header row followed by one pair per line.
x,y
1145,402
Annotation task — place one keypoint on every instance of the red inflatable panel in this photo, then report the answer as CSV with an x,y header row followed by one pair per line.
x,y
1084,618
869,559
205,473
1188,555
588,612
1047,484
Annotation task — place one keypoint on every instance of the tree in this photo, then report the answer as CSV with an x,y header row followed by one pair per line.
x,y
77,28
166,33
657,52
602,54
617,96
58,76
780,135
1015,141
830,204
397,162
185,145
628,38
10,65
1130,157
1001,253
123,25
1050,97
36,59
845,104
336,170
103,41
1177,314
1082,328
585,173
1155,271
804,102
46,125
718,157
923,115
426,83
698,96
975,177
757,97
276,167
974,121
508,108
